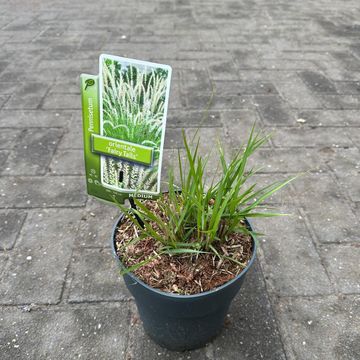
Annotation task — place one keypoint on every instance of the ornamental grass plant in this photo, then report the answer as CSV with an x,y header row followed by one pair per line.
x,y
193,219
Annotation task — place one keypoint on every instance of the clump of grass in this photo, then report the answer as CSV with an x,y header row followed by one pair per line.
x,y
198,218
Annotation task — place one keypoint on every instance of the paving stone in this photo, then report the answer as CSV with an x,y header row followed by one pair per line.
x,y
290,261
20,23
296,93
239,88
265,75
338,29
176,99
317,82
20,36
53,30
334,320
3,100
346,165
197,57
8,88
354,135
95,332
10,225
170,163
62,50
219,102
3,65
41,257
284,64
288,160
333,118
68,162
71,70
245,59
3,157
340,102
9,138
52,191
310,137
13,73
342,263
342,161
3,262
66,87
27,96
237,126
97,221
329,214
334,72
62,101
33,118
93,41
73,136
187,67
355,49
182,119
209,138
95,277
273,110
308,55
173,138
195,81
346,59
348,87
33,153
67,66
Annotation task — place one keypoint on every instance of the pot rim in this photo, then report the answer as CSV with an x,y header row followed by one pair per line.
x,y
179,296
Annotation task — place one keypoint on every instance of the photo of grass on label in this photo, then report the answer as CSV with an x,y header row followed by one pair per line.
x,y
133,110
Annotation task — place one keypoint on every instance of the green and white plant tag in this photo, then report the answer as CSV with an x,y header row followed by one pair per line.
x,y
124,120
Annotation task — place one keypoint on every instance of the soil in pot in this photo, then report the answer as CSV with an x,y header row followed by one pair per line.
x,y
182,274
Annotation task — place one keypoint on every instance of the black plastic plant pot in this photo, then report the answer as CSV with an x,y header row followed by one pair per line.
x,y
182,322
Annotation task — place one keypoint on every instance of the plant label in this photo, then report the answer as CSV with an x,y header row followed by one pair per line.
x,y
124,119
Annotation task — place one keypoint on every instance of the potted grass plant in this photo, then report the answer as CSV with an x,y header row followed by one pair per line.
x,y
185,256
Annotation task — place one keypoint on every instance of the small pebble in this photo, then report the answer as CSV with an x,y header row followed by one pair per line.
x,y
26,308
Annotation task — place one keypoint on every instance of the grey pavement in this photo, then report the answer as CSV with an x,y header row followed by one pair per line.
x,y
291,66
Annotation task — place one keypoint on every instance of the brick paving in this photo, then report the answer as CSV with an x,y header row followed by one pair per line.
x,y
294,67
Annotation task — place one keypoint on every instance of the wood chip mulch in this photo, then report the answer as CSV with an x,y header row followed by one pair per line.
x,y
186,273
